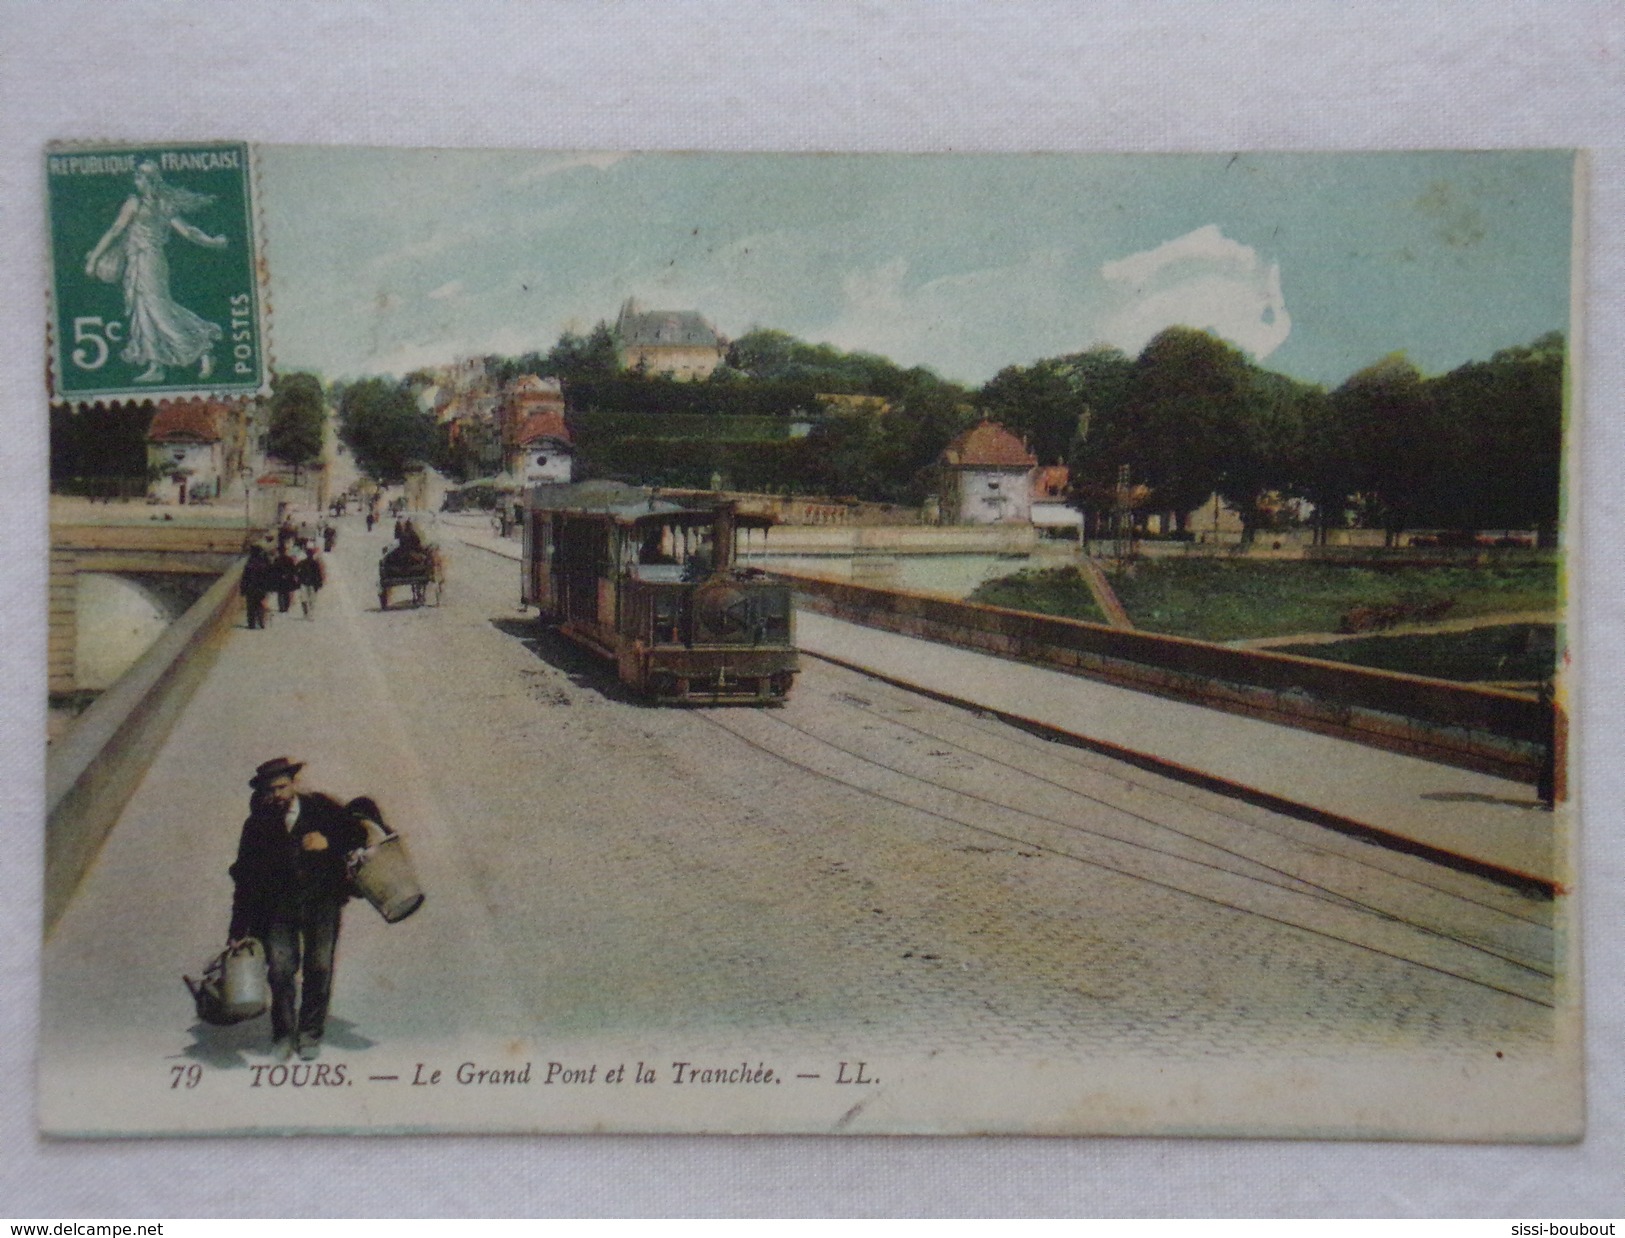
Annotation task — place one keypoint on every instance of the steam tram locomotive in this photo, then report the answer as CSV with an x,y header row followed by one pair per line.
x,y
653,584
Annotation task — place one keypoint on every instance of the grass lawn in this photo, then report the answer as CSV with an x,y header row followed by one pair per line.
x,y
1513,652
1052,591
1239,599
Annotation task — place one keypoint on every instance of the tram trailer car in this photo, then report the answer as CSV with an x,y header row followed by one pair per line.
x,y
654,585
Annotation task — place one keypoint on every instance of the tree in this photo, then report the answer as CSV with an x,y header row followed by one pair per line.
x,y
1069,408
1503,420
1182,412
573,358
104,442
1039,403
385,429
1264,448
1101,376
1396,447
1326,472
761,353
298,420
577,358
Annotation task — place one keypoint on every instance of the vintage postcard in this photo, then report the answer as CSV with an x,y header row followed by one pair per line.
x,y
576,642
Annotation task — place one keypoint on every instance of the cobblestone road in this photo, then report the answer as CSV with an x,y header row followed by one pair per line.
x,y
865,870
867,862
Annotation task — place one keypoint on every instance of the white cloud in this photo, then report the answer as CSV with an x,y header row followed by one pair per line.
x,y
1202,279
447,291
962,324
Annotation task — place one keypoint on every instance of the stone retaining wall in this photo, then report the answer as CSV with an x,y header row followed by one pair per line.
x,y
93,769
945,539
1493,732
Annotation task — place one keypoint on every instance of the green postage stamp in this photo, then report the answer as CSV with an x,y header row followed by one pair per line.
x,y
154,272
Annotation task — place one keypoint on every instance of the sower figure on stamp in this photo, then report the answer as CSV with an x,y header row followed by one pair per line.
x,y
163,332
292,881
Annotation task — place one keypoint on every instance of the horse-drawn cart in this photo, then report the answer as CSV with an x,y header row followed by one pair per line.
x,y
422,571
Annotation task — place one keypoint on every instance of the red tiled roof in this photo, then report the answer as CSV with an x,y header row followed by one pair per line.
x,y
988,445
1051,479
186,421
549,424
530,384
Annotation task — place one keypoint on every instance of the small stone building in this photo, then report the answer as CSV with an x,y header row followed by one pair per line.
x,y
987,477
521,403
186,451
545,450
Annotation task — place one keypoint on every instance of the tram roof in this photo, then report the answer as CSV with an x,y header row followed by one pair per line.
x,y
620,503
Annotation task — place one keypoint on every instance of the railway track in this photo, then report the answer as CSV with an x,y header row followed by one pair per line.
x,y
1068,806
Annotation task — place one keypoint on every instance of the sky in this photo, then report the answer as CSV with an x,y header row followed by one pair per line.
x,y
385,260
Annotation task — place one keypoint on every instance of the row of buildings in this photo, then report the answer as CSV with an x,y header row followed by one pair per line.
x,y
197,448
518,431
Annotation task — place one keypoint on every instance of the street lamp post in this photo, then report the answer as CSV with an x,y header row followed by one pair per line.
x,y
248,499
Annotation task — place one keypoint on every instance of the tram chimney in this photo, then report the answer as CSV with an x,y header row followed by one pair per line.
x,y
723,535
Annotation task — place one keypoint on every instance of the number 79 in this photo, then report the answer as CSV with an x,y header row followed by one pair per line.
x,y
188,1076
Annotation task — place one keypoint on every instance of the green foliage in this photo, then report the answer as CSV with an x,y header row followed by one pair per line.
x,y
298,418
600,425
771,467
1057,403
1182,413
746,409
1396,445
1265,446
654,397
574,358
1237,599
1049,591
1504,420
1478,448
476,452
1516,652
776,356
102,444
1231,599
385,429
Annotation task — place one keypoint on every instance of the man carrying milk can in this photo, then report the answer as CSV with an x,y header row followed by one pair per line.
x,y
292,882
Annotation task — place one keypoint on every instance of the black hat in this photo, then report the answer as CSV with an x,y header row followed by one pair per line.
x,y
275,768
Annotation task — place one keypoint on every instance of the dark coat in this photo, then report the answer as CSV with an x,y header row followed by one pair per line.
x,y
276,877
284,574
310,572
257,574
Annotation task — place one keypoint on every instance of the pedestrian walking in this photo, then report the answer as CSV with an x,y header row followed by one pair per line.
x,y
330,537
256,583
284,579
291,881
372,519
312,576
